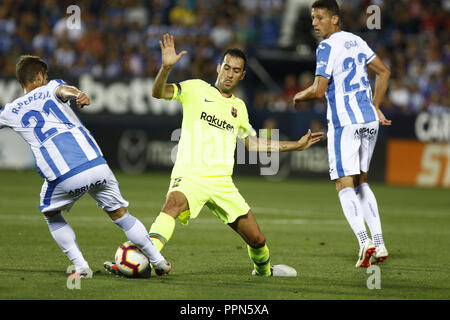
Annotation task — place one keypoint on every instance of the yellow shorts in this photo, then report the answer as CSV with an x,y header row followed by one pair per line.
x,y
218,193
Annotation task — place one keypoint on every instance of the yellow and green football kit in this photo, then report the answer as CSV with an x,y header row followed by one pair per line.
x,y
205,161
205,158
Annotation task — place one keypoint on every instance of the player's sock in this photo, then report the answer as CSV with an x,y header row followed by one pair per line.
x,y
161,230
378,240
353,213
370,211
64,236
136,233
261,259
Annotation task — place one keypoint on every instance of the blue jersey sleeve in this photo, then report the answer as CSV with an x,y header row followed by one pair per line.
x,y
323,63
366,50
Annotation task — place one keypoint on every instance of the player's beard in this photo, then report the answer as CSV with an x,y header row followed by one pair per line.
x,y
227,89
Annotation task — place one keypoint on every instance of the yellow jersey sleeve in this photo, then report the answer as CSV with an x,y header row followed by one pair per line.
x,y
184,90
245,128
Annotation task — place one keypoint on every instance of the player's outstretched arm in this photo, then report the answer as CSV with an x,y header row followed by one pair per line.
x,y
169,58
309,139
69,92
266,145
381,83
315,91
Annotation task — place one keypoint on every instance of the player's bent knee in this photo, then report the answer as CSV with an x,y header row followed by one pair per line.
x,y
116,214
176,203
344,182
51,213
363,178
257,241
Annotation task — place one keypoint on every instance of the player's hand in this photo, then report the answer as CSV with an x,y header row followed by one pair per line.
x,y
168,53
82,99
383,120
309,139
297,101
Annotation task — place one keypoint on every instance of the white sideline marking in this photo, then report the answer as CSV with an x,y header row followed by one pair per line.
x,y
75,219
159,205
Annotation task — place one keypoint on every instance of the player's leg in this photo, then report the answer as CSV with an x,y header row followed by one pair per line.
x,y
109,198
247,227
137,233
64,236
365,194
343,154
185,199
352,208
228,205
370,209
162,229
372,217
54,199
353,212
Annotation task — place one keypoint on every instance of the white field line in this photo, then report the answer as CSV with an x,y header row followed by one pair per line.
x,y
101,218
159,205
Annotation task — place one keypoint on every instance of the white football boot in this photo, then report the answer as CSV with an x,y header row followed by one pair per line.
x,y
280,270
163,267
364,255
381,254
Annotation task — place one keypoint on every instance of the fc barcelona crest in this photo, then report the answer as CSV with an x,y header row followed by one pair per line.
x,y
234,112
176,182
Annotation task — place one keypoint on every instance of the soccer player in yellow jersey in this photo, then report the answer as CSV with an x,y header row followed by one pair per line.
x,y
212,119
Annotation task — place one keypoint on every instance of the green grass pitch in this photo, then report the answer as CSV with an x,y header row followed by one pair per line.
x,y
301,219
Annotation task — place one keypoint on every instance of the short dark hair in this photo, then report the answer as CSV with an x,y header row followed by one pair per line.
x,y
28,68
330,5
235,52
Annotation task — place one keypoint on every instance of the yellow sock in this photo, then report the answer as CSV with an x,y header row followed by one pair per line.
x,y
261,260
161,230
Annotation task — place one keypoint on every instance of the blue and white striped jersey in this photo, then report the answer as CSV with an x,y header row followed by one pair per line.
x,y
342,58
58,139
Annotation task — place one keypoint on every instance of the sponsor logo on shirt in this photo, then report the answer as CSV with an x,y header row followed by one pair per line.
x,y
81,190
365,132
349,44
321,64
216,122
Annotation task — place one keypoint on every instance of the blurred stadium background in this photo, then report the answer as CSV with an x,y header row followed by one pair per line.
x,y
114,57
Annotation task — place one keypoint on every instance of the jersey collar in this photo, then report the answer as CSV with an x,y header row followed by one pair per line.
x,y
214,86
334,33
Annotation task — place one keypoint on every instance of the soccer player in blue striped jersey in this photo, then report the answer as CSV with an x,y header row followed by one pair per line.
x,y
70,161
354,117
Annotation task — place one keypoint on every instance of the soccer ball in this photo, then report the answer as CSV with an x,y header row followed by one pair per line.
x,y
131,261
